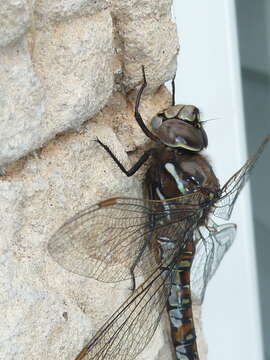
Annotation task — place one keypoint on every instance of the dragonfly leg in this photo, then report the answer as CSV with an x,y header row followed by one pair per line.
x,y
133,286
136,166
173,90
137,114
138,258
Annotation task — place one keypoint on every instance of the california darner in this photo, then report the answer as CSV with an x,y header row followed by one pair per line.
x,y
170,237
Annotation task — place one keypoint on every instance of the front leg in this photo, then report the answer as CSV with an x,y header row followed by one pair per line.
x,y
137,114
136,166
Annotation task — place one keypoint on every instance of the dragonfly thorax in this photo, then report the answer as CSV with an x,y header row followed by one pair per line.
x,y
178,174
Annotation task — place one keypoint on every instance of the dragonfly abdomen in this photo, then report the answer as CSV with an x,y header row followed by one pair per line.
x,y
179,304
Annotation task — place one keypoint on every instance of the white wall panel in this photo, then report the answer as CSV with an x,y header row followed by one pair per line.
x,y
209,77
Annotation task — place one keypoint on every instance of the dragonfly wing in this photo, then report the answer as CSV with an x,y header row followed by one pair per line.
x,y
230,191
132,326
210,251
96,241
105,240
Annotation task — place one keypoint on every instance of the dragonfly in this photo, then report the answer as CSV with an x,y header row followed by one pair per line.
x,y
170,237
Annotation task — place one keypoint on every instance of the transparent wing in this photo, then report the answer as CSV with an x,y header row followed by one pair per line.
x,y
132,326
105,240
230,191
210,250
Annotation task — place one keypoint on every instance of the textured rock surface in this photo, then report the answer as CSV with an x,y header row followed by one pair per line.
x,y
14,21
146,35
67,65
60,62
21,103
73,61
65,79
49,312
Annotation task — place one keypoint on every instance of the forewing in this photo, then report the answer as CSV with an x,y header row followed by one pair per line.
x,y
132,326
105,240
230,191
210,250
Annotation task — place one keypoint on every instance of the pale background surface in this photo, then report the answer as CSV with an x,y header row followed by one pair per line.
x,y
253,18
209,77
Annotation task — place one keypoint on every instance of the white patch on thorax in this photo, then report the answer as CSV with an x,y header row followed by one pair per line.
x,y
171,169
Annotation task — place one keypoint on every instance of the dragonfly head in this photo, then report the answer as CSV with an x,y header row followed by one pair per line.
x,y
179,126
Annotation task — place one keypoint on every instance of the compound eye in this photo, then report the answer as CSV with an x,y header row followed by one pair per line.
x,y
179,140
156,122
186,113
172,111
189,113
